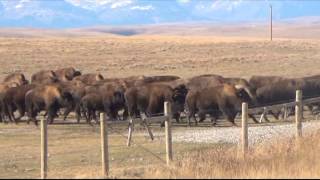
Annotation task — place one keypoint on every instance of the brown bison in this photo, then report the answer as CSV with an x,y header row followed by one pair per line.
x,y
260,81
154,79
15,78
47,98
111,100
90,103
44,77
14,99
67,74
89,79
224,99
204,81
3,89
77,90
198,83
149,99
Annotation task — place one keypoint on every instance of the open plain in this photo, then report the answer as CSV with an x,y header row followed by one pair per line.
x,y
75,150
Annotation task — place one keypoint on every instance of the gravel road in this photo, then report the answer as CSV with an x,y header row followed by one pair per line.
x,y
257,134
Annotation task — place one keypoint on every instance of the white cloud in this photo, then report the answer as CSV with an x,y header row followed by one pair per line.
x,y
121,4
14,9
225,5
183,1
142,8
97,5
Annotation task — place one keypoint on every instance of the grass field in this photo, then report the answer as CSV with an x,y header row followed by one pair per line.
x,y
74,151
148,55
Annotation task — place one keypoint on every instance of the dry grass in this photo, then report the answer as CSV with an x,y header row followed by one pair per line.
x,y
74,151
275,160
153,55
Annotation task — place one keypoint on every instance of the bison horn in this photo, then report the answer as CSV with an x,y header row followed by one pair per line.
x,y
239,86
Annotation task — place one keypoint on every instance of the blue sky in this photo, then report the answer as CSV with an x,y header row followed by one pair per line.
x,y
85,13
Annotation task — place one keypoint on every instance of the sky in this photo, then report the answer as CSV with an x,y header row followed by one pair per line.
x,y
86,13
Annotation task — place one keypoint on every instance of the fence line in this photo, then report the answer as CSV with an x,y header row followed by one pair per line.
x,y
104,140
298,116
168,134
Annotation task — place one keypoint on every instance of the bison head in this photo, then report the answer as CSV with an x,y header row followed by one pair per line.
x,y
178,97
246,94
66,99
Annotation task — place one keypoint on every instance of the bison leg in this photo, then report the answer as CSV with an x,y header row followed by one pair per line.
x,y
94,115
50,117
213,119
85,112
176,116
32,117
78,113
202,116
191,115
91,113
229,113
125,114
66,113
21,113
10,113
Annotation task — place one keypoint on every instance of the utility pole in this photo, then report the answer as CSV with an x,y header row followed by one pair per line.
x,y
270,22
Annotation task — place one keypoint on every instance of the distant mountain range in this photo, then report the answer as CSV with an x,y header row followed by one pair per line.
x,y
302,27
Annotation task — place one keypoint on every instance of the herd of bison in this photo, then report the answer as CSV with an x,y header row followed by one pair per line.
x,y
69,90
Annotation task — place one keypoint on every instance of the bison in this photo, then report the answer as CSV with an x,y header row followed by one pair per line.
x,y
149,99
3,89
223,99
67,74
14,99
15,78
108,98
153,79
77,90
47,98
90,103
89,79
44,77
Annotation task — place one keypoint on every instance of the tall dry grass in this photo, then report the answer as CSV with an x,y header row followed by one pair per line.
x,y
275,160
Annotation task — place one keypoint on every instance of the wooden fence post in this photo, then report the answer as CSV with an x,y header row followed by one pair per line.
x,y
130,131
298,114
44,148
244,140
167,113
146,125
263,114
104,145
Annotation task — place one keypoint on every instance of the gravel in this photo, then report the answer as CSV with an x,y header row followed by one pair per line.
x,y
256,135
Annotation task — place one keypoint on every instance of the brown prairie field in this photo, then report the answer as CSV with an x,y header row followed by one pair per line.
x,y
74,149
116,56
